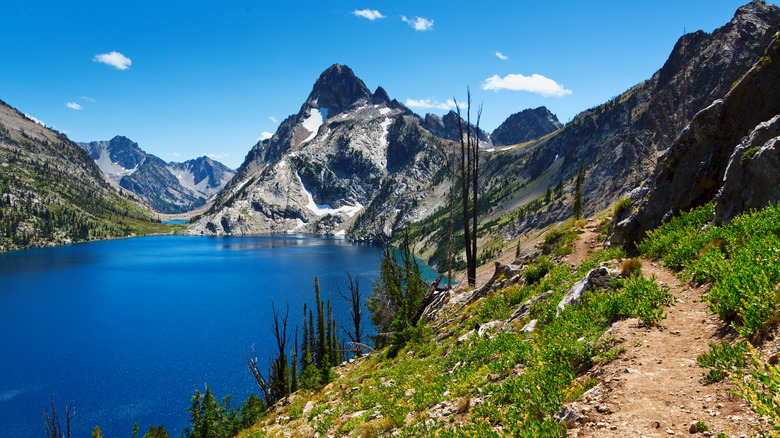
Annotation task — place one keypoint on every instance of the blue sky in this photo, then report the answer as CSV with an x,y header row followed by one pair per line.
x,y
186,79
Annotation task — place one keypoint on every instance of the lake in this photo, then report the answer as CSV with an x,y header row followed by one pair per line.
x,y
128,329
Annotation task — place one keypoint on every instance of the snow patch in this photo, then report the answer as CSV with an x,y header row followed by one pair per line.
x,y
317,117
341,233
282,164
114,171
385,111
322,210
385,126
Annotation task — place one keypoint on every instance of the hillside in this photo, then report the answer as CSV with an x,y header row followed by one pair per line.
x,y
620,144
569,347
51,192
168,187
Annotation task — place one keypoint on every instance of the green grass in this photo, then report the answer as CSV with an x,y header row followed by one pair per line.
x,y
741,259
514,380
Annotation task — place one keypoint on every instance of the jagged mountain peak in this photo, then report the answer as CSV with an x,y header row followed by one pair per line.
x,y
336,89
525,126
380,96
753,10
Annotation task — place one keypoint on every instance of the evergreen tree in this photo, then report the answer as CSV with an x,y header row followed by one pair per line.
x,y
547,196
577,207
135,430
294,365
96,433
322,346
312,340
156,432
305,341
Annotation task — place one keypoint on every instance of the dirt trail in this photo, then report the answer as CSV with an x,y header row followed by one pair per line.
x,y
582,246
655,387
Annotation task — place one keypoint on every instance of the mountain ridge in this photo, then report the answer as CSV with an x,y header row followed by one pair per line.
x,y
169,187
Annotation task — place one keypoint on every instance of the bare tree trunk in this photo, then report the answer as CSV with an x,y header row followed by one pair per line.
x,y
465,175
355,313
53,427
475,199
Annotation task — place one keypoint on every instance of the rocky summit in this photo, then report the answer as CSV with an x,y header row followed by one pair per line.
x,y
168,187
349,160
525,126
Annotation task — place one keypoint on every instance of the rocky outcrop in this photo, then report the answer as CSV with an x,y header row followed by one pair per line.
x,y
167,187
692,171
752,178
525,126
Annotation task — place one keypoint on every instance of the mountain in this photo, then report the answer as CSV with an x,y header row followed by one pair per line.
x,y
617,143
729,155
525,126
348,160
447,128
168,187
51,192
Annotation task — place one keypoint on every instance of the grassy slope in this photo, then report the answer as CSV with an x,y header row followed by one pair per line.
x,y
513,384
507,383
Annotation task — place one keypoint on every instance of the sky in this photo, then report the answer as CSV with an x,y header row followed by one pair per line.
x,y
186,79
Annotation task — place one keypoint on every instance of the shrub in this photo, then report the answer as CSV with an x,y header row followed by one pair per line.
x,y
631,268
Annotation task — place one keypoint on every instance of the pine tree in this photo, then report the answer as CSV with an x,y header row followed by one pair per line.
x,y
304,341
322,347
96,433
294,365
312,343
135,430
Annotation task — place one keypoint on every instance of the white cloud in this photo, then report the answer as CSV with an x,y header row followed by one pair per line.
x,y
273,119
73,105
418,23
535,83
89,99
368,13
216,156
265,135
175,154
430,103
34,119
501,56
114,59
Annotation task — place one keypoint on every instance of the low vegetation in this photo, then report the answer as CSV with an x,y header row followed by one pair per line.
x,y
503,382
741,260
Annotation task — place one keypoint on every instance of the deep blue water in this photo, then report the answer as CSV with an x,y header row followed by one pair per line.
x,y
129,329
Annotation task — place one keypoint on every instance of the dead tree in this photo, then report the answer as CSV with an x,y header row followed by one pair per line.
x,y
355,313
469,173
52,423
277,384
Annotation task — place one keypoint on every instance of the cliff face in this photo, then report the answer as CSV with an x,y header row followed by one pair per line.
x,y
726,154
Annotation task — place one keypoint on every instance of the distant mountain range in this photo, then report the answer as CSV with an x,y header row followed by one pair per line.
x,y
52,193
168,187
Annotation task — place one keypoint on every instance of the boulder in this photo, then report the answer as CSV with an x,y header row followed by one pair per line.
x,y
581,287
